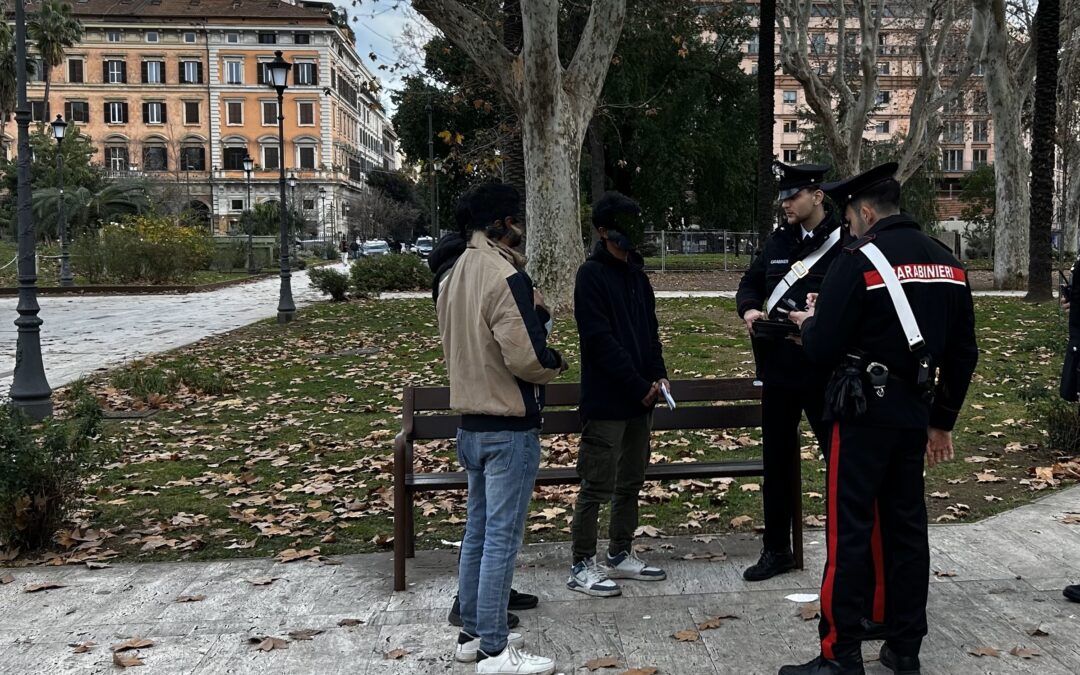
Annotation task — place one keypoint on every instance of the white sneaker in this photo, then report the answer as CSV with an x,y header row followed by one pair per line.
x,y
626,565
591,578
513,661
465,652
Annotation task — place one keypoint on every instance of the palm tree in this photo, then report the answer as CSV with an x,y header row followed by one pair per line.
x,y
85,209
53,30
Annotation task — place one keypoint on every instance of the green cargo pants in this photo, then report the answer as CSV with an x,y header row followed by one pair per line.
x,y
611,463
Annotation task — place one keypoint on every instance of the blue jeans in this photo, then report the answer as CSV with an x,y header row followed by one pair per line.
x,y
502,468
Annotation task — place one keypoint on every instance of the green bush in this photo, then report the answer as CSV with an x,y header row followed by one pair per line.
x,y
43,467
229,256
329,282
1062,425
393,272
144,381
144,249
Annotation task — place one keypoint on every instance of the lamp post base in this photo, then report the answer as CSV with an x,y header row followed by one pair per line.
x,y
286,310
30,390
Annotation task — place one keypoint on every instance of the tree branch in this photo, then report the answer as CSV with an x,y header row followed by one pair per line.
x,y
587,71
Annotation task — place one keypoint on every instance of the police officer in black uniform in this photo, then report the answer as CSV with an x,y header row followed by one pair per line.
x,y
811,234
899,335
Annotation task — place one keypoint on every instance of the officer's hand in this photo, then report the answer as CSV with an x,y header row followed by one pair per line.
x,y
1064,300
750,317
800,317
811,300
939,447
650,398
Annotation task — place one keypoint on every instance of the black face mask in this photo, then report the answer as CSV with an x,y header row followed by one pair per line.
x,y
620,240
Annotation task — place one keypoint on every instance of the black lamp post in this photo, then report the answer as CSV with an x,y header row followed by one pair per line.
x,y
30,391
249,164
322,213
213,202
292,188
279,73
59,127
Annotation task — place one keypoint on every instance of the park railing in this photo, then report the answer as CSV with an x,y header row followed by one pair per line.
x,y
698,250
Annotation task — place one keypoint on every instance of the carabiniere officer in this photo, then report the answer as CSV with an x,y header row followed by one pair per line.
x,y
895,323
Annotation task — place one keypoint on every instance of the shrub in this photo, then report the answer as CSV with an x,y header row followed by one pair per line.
x,y
229,256
42,468
1062,425
144,381
329,282
144,249
394,272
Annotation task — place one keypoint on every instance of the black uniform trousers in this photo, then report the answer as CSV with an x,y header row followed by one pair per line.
x,y
782,408
875,473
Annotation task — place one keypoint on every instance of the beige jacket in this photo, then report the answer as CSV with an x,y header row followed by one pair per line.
x,y
494,340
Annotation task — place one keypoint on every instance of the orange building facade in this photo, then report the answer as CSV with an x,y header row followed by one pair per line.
x,y
178,90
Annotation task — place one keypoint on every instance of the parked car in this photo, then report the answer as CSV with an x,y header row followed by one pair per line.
x,y
374,248
423,247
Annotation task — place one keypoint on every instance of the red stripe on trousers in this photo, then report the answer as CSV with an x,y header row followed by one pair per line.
x,y
829,641
879,570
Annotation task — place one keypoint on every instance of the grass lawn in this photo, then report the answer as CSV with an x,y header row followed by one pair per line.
x,y
699,261
293,448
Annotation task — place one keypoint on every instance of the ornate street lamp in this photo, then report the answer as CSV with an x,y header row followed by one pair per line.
x,y
279,74
249,164
59,127
292,193
322,214
30,391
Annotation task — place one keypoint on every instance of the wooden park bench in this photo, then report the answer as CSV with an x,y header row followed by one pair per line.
x,y
717,404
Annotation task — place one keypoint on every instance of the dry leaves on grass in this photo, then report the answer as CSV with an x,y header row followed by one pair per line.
x,y
688,635
739,521
396,654
750,487
291,554
266,643
648,531
985,651
602,662
34,588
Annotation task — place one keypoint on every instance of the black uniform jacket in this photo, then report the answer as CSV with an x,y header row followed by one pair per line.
x,y
854,313
621,356
782,362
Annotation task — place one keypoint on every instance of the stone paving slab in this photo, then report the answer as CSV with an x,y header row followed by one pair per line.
x,y
1008,574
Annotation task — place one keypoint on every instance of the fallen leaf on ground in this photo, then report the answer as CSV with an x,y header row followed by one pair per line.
x,y
395,654
97,565
944,573
191,598
1036,631
1071,519
647,531
750,487
350,622
262,581
739,521
705,556
291,554
34,588
126,660
985,651
82,647
265,643
304,634
939,495
715,621
814,521
640,671
987,477
133,643
1025,652
6,579
602,662
688,635
810,611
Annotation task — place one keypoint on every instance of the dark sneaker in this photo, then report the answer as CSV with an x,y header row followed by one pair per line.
x,y
520,601
454,617
769,565
1072,593
871,630
824,666
900,665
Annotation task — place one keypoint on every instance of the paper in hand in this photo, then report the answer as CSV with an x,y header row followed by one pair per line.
x,y
667,397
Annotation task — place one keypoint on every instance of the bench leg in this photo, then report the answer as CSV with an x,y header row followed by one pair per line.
x,y
399,553
410,529
797,514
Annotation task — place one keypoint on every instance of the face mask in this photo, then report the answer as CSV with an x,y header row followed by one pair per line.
x,y
620,240
513,236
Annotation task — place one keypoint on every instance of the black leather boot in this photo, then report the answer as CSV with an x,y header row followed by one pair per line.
x,y
769,565
900,665
823,666
454,617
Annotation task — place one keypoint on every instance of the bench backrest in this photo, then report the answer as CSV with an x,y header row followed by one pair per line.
x,y
424,410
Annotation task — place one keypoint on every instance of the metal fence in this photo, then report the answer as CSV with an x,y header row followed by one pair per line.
x,y
698,250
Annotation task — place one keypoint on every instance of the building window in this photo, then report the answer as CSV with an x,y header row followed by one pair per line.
x,y
234,112
882,127
305,73
956,106
39,70
154,158
952,160
153,72
236,204
191,112
884,97
884,68
953,132
309,204
154,113
818,43
115,71
979,158
268,38
193,158
114,36
189,37
790,97
116,157
980,131
232,38
305,155
233,158
75,70
37,111
791,156
269,113
191,72
271,157
753,45
823,68
116,112
234,72
77,111
302,38
152,36
978,103
262,73
305,113
791,127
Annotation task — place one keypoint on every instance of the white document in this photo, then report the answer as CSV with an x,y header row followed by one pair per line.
x,y
667,396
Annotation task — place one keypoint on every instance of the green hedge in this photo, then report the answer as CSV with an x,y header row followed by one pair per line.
x,y
391,272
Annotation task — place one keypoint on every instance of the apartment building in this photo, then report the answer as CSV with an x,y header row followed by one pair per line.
x,y
179,90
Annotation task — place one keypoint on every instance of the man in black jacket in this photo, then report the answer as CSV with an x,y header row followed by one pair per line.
x,y
622,374
792,264
895,323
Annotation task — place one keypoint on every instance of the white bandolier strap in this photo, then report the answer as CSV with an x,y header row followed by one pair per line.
x,y
799,269
896,292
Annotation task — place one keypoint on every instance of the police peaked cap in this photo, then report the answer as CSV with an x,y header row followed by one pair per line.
x,y
843,191
795,178
609,206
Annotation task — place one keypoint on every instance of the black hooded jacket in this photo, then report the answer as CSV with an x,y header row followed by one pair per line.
x,y
442,258
621,356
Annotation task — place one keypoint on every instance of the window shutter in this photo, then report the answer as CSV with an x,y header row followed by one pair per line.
x,y
198,72
86,112
164,116
105,70
145,72
164,73
124,112
315,74
67,111
262,73
123,73
145,112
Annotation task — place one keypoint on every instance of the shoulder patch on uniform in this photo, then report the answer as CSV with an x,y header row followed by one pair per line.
x,y
859,243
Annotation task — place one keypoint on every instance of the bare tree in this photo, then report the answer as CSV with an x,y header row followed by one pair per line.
x,y
383,217
555,103
1068,126
1043,127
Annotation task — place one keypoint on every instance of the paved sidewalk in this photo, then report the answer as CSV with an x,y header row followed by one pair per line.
x,y
85,333
1000,579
